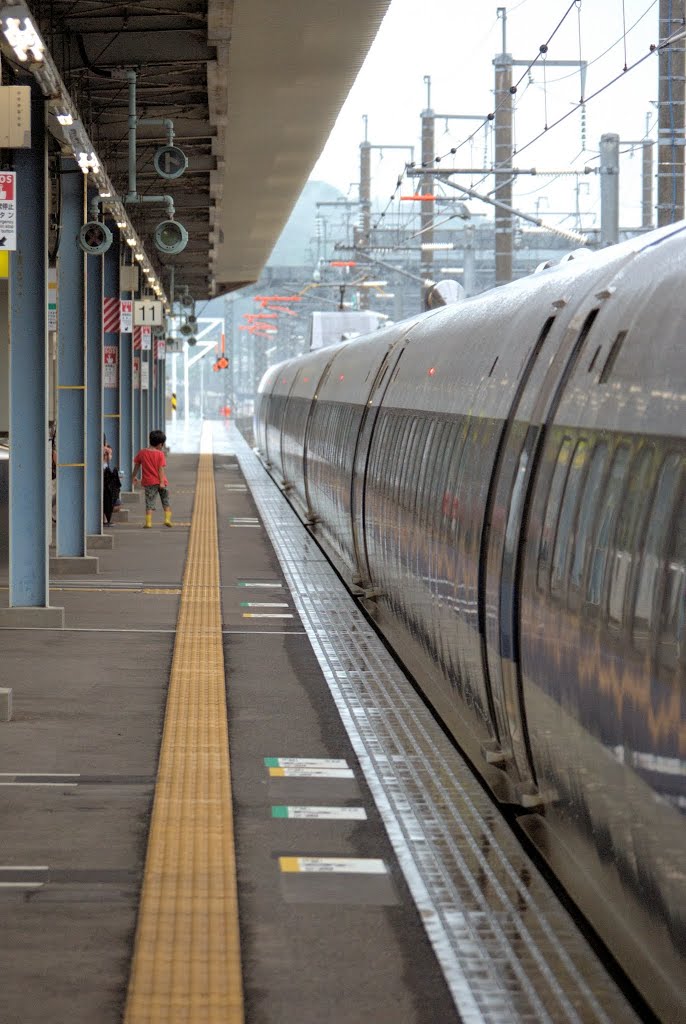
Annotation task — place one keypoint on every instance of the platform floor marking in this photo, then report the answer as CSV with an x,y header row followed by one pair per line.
x,y
21,885
311,773
263,604
320,813
333,865
59,785
245,526
267,615
40,775
305,762
242,583
186,964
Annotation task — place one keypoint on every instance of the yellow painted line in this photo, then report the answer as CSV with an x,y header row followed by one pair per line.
x,y
186,964
71,387
277,773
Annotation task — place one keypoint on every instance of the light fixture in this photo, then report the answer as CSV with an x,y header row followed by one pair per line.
x,y
121,224
131,241
105,195
170,237
23,38
88,162
139,256
64,119
372,284
436,246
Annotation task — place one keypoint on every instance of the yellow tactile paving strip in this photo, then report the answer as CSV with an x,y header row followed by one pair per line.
x,y
186,964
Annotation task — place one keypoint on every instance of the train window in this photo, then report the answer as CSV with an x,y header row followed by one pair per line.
x,y
661,514
603,533
612,357
672,624
552,511
433,456
415,480
424,470
590,500
565,524
631,514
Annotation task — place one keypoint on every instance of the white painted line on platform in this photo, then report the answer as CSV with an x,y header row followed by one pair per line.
x,y
263,604
321,813
279,585
79,629
21,885
267,615
305,762
41,775
333,865
60,785
264,632
24,867
311,773
246,526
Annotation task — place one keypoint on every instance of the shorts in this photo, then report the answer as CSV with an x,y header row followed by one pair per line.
x,y
150,495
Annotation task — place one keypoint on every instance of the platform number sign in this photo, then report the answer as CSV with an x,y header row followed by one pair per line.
x,y
147,313
8,210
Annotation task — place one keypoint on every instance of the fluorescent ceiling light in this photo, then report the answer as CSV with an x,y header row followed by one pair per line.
x,y
23,38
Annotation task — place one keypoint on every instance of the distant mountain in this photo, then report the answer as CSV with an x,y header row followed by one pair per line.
x,y
297,245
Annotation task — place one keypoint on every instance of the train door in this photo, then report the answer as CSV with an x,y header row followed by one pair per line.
x,y
306,438
372,407
548,368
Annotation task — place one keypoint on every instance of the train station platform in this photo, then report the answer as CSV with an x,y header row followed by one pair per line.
x,y
220,800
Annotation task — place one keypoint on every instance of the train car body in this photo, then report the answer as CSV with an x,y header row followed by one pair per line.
x,y
505,482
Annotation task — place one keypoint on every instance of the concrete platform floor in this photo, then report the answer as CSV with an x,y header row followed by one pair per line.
x,y
77,775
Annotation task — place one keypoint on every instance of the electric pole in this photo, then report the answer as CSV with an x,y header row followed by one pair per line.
x,y
426,215
670,153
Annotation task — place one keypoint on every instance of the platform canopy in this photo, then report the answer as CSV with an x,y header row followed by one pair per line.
x,y
253,88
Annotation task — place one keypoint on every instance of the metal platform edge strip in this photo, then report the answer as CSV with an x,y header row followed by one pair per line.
x,y
449,841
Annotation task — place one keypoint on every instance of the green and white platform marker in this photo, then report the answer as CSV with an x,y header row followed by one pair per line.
x,y
321,813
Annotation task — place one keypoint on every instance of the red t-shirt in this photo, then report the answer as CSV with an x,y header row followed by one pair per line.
x,y
151,460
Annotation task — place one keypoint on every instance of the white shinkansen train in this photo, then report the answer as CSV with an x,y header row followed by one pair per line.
x,y
505,480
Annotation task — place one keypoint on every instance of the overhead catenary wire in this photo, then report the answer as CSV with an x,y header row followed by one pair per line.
x,y
581,105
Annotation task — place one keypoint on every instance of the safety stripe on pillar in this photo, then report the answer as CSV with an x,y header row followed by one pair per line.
x,y
186,964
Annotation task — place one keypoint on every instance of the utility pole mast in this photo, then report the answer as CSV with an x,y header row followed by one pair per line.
x,y
426,215
647,220
609,189
365,188
670,153
503,159
504,92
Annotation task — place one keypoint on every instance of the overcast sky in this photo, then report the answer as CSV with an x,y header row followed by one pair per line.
x,y
455,41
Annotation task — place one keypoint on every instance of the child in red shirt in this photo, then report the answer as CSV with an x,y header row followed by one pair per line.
x,y
151,462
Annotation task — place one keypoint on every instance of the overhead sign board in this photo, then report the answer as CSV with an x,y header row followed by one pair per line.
x,y
148,313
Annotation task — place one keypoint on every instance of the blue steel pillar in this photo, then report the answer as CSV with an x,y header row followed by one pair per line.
x,y
126,424
29,481
111,328
71,379
145,396
94,401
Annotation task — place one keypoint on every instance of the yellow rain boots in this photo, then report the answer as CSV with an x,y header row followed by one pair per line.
x,y
167,517
148,521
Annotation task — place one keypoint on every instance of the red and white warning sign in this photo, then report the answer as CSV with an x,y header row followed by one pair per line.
x,y
146,339
8,210
110,377
126,316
